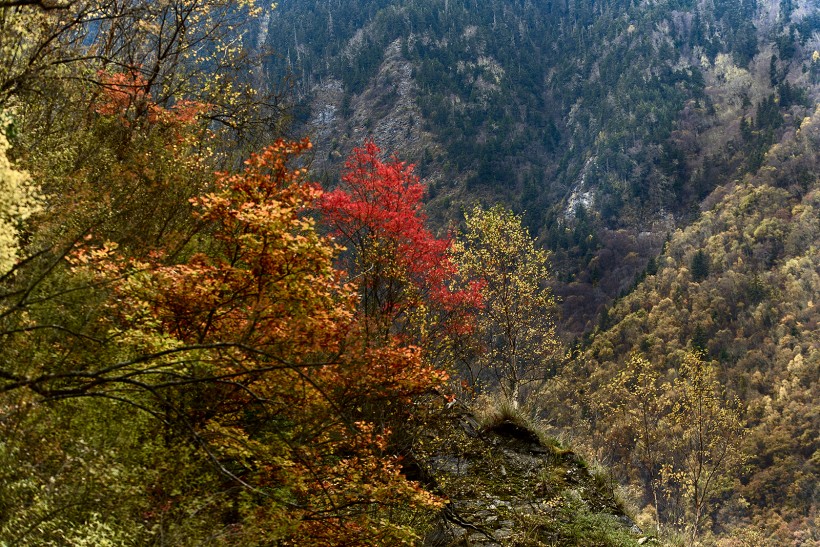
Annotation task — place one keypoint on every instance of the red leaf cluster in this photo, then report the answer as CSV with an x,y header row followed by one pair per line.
x,y
396,261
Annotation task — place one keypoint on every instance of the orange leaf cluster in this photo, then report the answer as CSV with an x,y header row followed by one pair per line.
x,y
277,349
126,95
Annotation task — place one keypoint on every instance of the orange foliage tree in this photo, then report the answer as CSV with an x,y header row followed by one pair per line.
x,y
253,349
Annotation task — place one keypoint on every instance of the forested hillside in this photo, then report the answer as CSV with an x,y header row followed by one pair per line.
x,y
606,122
416,272
739,287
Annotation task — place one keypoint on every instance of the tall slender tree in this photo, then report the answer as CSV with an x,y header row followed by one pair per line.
x,y
517,344
707,434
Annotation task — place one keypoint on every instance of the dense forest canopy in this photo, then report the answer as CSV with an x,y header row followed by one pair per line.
x,y
295,275
604,122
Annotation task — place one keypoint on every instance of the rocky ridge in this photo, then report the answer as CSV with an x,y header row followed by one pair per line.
x,y
506,484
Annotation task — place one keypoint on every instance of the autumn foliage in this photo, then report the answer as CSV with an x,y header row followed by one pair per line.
x,y
260,322
183,360
126,96
407,282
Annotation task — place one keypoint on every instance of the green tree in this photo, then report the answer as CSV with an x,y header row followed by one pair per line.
x,y
700,266
515,331
173,52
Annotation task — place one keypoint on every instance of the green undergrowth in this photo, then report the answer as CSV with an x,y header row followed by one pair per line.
x,y
573,523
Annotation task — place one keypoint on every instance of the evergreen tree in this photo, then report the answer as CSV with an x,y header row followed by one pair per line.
x,y
700,266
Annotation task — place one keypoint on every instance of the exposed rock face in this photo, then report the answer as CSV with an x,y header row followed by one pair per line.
x,y
386,111
506,486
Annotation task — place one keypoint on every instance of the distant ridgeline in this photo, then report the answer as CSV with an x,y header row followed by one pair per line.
x,y
606,122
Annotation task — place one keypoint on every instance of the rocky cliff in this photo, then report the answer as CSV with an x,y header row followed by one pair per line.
x,y
505,483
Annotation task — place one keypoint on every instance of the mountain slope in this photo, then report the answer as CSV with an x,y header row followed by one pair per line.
x,y
606,122
751,307
666,154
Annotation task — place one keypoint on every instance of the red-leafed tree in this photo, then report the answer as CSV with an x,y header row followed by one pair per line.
x,y
406,281
253,348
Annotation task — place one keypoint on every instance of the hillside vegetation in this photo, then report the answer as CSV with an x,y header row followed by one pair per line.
x,y
606,122
543,273
738,286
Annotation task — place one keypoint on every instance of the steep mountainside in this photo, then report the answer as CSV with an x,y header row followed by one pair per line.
x,y
666,153
740,286
607,122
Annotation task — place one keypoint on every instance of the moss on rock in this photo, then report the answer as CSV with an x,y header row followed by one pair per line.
x,y
507,484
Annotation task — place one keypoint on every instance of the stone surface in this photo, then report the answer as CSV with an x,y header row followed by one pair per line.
x,y
506,486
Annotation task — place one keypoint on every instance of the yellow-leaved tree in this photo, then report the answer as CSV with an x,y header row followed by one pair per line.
x,y
706,430
516,345
19,198
681,433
